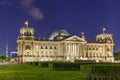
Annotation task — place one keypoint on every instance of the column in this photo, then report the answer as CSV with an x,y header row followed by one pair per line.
x,y
75,50
66,48
77,54
69,50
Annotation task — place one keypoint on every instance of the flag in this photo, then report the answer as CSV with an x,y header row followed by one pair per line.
x,y
26,23
104,29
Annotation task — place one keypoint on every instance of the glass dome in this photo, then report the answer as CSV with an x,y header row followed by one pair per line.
x,y
57,32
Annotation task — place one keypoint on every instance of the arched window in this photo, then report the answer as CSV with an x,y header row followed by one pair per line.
x,y
27,47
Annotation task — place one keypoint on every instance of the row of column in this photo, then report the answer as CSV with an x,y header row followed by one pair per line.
x,y
72,50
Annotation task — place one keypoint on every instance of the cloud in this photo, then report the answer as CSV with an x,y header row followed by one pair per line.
x,y
35,13
32,10
27,6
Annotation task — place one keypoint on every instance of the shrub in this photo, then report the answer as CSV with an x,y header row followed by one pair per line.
x,y
44,64
31,63
86,69
35,63
64,66
101,71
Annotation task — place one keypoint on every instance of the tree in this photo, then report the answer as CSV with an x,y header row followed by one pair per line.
x,y
3,58
117,56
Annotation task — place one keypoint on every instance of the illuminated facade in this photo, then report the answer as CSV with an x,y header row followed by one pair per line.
x,y
61,46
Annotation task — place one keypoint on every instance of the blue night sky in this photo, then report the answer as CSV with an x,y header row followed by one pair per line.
x,y
45,16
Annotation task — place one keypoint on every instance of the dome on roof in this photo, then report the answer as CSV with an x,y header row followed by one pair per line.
x,y
57,32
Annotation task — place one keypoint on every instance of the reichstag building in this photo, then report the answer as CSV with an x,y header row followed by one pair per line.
x,y
62,46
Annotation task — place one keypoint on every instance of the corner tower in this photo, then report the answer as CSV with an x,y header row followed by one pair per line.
x,y
25,44
106,39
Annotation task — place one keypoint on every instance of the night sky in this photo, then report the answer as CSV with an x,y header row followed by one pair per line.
x,y
46,16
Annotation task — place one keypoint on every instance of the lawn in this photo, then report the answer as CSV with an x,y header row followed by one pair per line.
x,y
30,72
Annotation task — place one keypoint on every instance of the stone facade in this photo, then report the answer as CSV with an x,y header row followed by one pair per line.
x,y
61,46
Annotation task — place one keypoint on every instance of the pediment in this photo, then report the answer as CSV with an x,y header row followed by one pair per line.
x,y
75,38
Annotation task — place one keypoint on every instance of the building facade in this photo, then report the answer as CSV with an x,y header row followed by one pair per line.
x,y
61,46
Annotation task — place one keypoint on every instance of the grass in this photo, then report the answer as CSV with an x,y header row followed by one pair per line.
x,y
29,72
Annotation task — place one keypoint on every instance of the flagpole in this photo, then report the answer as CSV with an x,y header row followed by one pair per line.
x,y
27,25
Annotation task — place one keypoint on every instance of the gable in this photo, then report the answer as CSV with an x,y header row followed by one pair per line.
x,y
75,38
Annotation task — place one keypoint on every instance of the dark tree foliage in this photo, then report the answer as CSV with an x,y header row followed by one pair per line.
x,y
117,56
3,58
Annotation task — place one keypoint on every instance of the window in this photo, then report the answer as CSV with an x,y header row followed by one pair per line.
x,y
46,47
50,47
90,54
86,55
41,47
96,48
42,54
55,47
108,49
100,54
107,55
46,54
27,47
89,48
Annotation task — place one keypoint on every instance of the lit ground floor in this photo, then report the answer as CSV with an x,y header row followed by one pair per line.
x,y
68,58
